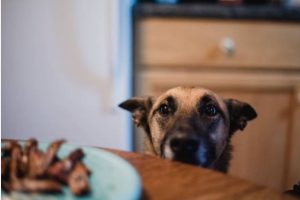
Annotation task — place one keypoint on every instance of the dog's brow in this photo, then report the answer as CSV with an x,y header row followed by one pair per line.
x,y
206,98
168,99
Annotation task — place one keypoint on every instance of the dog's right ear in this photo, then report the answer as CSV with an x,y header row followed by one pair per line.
x,y
140,108
239,113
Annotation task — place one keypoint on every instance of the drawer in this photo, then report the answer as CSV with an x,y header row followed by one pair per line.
x,y
194,43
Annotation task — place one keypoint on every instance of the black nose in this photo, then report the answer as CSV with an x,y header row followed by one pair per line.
x,y
185,145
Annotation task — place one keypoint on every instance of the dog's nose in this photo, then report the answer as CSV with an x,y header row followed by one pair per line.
x,y
184,145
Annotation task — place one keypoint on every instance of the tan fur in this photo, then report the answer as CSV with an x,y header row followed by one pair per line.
x,y
187,97
189,116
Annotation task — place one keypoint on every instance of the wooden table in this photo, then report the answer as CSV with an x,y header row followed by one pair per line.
x,y
164,179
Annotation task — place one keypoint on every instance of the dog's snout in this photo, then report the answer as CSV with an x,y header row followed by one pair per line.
x,y
186,145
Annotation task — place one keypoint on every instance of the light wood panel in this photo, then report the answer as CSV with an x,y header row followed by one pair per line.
x,y
154,81
293,157
259,151
194,43
262,151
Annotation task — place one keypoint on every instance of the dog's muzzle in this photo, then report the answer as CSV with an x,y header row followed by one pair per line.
x,y
184,145
188,149
184,148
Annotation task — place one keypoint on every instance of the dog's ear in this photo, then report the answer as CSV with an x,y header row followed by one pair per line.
x,y
239,113
140,108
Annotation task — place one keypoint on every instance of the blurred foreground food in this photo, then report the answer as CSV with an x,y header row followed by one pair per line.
x,y
31,170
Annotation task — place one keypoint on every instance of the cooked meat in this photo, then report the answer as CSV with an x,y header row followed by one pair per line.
x,y
36,163
61,170
78,180
29,144
33,185
7,148
32,170
39,161
9,163
5,168
51,153
24,162
76,155
14,160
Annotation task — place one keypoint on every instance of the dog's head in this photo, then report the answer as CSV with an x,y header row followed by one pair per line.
x,y
192,125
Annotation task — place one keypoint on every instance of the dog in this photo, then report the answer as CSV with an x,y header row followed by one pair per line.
x,y
190,124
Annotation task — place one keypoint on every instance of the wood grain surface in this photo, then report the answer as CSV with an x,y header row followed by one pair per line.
x,y
164,179
177,42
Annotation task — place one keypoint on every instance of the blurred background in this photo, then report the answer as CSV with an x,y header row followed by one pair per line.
x,y
66,65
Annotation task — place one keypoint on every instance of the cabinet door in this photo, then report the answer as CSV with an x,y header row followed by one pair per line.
x,y
262,152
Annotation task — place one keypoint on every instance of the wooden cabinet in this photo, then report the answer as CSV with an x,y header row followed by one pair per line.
x,y
254,61
192,43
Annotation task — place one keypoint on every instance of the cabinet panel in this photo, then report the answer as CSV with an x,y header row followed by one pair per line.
x,y
293,170
261,152
194,43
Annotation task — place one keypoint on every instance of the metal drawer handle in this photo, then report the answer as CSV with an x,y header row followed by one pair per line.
x,y
227,46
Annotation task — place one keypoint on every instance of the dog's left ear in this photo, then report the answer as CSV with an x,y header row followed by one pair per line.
x,y
140,108
239,113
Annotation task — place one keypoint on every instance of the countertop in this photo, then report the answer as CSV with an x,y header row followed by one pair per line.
x,y
217,11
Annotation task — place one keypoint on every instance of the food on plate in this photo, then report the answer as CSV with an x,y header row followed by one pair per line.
x,y
29,169
62,169
78,180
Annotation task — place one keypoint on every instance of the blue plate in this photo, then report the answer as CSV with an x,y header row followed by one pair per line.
x,y
112,178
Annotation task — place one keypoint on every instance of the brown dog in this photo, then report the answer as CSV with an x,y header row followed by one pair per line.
x,y
191,125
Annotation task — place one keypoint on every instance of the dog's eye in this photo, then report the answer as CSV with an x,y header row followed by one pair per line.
x,y
164,110
210,110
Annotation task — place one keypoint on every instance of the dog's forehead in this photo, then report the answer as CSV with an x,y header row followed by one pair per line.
x,y
190,95
192,92
187,98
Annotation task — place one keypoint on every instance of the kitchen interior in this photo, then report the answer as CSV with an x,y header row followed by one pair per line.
x,y
248,50
66,65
